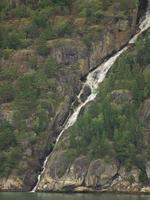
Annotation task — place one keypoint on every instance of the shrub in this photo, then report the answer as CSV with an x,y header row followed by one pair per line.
x,y
6,53
42,48
126,5
26,95
10,38
33,62
6,93
91,9
109,125
40,20
9,160
9,74
41,120
143,178
50,67
7,137
20,12
63,27
32,30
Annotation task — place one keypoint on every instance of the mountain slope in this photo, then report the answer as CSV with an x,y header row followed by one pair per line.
x,y
46,49
108,147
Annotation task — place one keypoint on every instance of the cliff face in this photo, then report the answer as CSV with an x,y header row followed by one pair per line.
x,y
83,175
75,56
74,168
111,37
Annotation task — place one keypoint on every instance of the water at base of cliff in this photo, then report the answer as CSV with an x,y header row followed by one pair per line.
x,y
48,196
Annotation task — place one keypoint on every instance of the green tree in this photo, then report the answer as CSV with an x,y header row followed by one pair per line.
x,y
26,95
7,137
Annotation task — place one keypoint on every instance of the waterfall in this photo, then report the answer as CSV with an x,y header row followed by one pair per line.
x,y
94,78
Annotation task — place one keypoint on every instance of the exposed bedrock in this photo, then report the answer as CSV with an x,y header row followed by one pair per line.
x,y
61,174
142,8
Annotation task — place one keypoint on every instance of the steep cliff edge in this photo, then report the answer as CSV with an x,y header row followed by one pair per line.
x,y
40,77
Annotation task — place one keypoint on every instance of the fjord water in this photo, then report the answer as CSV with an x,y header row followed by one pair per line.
x,y
48,196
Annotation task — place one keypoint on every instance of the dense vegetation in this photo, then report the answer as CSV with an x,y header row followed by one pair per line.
x,y
36,22
112,128
30,88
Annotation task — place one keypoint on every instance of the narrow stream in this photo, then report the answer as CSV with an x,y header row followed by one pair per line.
x,y
94,78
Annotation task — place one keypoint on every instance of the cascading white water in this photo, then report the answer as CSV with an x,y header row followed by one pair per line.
x,y
93,79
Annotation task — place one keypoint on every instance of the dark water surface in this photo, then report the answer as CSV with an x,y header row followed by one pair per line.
x,y
48,196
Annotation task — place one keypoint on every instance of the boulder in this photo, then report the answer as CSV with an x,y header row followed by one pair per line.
x,y
86,92
100,173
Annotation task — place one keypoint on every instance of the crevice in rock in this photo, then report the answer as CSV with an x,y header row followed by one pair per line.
x,y
142,9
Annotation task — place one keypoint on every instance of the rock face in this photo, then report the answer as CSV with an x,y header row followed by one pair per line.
x,y
11,184
30,163
73,54
86,92
145,190
81,172
111,39
114,35
142,8
121,96
100,173
85,175
148,169
145,113
127,181
69,178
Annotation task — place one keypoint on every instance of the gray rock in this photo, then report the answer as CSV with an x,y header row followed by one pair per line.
x,y
148,169
79,169
100,173
145,113
121,96
127,175
86,92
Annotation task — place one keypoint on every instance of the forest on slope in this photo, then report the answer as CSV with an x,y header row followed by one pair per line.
x,y
108,147
46,48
